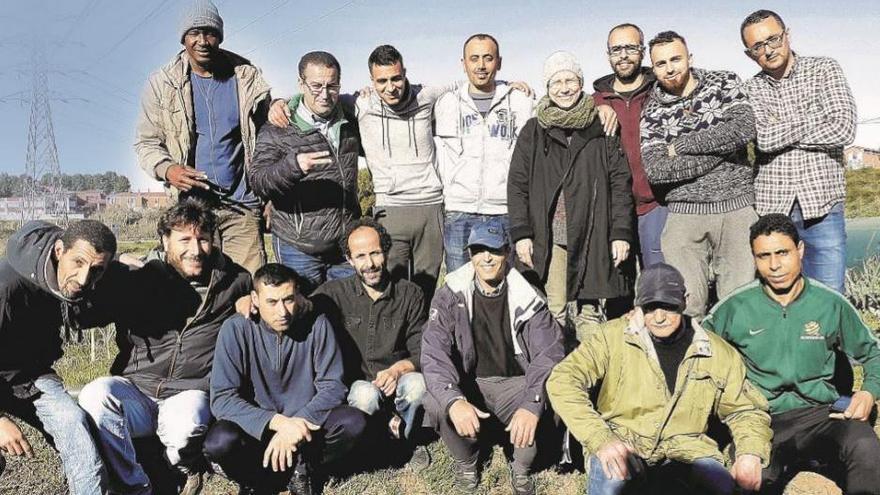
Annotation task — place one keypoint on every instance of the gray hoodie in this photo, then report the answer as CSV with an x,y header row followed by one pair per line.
x,y
399,147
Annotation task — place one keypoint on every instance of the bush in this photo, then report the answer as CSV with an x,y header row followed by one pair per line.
x,y
863,193
130,225
366,197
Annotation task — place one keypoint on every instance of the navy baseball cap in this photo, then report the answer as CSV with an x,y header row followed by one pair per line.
x,y
490,233
661,283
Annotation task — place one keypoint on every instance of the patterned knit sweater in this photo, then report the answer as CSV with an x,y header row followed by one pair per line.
x,y
709,129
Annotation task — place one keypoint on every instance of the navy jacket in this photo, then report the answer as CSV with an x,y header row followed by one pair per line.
x,y
259,372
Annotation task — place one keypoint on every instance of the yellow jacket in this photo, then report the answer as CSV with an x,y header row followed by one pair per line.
x,y
633,402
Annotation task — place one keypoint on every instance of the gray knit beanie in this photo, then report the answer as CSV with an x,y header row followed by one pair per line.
x,y
560,61
201,14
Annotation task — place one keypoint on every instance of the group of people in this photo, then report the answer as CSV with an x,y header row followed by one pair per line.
x,y
277,374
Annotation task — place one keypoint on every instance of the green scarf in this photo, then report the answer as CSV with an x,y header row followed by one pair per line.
x,y
577,117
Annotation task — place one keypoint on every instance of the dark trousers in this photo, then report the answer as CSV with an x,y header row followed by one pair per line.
x,y
241,455
500,397
849,448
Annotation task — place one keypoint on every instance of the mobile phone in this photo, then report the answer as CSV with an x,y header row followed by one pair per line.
x,y
841,404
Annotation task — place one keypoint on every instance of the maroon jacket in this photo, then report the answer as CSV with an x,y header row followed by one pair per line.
x,y
629,114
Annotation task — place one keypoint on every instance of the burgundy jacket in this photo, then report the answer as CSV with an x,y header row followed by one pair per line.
x,y
629,114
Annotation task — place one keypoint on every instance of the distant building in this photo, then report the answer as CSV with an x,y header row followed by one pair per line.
x,y
858,157
139,200
93,201
44,208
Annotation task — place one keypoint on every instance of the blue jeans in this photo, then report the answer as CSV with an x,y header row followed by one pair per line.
x,y
122,412
407,399
650,229
704,476
56,414
313,270
456,229
824,245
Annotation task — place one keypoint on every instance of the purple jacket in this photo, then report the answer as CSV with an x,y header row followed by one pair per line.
x,y
448,354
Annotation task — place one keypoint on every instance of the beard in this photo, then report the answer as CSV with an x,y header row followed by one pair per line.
x,y
181,265
627,75
374,277
677,85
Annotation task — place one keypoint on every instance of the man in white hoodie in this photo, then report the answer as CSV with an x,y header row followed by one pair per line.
x,y
476,130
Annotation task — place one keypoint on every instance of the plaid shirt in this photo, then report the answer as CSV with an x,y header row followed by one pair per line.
x,y
803,121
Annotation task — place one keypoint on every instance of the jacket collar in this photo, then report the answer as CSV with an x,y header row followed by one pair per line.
x,y
523,301
605,85
502,91
637,333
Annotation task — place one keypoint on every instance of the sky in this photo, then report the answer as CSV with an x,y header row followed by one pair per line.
x,y
99,53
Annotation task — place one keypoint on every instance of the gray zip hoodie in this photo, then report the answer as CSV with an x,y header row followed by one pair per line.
x,y
399,147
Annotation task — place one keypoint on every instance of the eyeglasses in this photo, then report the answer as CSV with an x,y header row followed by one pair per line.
x,y
558,84
618,50
773,42
316,89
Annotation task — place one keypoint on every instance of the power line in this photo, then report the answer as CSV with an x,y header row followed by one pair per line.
x,y
117,44
258,18
85,12
310,23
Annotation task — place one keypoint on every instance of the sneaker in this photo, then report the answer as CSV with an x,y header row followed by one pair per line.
x,y
522,484
300,484
467,477
193,484
420,460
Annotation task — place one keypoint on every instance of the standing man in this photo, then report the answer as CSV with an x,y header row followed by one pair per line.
x,y
695,127
626,89
309,171
48,272
805,115
277,392
167,314
657,377
379,321
476,130
487,350
198,128
788,328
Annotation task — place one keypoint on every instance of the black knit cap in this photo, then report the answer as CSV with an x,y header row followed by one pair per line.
x,y
661,283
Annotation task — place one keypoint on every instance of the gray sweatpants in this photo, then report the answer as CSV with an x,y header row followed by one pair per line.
x,y
500,397
710,247
416,235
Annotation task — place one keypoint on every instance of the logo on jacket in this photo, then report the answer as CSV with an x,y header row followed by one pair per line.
x,y
432,315
812,331
755,331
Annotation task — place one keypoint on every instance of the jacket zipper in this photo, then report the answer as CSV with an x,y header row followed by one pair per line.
x,y
675,399
179,345
278,347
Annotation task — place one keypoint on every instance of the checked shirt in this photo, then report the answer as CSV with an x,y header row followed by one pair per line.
x,y
803,122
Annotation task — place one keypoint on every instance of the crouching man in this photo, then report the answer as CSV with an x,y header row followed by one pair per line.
x,y
277,392
657,377
379,323
487,349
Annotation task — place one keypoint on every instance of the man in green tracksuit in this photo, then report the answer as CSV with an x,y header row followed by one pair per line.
x,y
787,327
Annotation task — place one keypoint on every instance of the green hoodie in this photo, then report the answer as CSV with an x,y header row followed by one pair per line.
x,y
789,350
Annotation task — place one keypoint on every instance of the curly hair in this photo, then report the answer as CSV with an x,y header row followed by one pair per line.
x,y
188,212
774,223
369,222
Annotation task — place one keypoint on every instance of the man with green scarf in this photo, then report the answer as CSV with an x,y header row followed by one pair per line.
x,y
563,157
309,172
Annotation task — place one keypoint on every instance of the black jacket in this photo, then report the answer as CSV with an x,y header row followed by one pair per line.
x,y
165,333
32,310
310,210
599,206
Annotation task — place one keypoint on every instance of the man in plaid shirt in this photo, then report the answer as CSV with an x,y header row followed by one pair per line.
x,y
805,114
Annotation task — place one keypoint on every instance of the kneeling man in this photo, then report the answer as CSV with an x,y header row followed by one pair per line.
x,y
658,376
277,392
487,349
788,326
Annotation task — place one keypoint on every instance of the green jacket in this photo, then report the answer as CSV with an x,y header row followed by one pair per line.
x,y
789,351
634,404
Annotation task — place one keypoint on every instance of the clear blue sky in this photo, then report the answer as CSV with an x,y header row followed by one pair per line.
x,y
100,52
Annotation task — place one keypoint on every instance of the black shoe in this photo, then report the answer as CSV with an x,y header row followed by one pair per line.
x,y
2,464
300,484
246,490
522,484
467,477
420,460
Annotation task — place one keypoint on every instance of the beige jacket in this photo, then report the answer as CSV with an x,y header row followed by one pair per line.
x,y
166,125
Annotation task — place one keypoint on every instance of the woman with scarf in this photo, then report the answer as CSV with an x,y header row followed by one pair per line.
x,y
570,201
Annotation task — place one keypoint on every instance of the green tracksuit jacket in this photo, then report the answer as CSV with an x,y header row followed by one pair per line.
x,y
789,351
